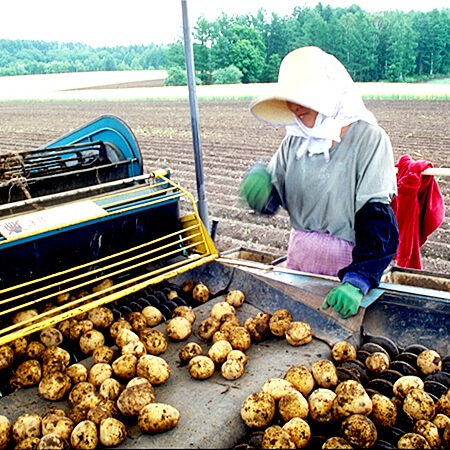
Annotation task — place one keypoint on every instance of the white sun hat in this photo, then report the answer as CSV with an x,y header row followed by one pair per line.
x,y
310,77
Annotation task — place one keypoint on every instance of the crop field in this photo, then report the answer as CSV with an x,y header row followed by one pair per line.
x,y
231,140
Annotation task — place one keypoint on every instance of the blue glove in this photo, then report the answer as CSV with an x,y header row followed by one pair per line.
x,y
256,187
345,299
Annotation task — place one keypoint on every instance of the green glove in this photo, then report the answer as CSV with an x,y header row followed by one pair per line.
x,y
345,299
256,187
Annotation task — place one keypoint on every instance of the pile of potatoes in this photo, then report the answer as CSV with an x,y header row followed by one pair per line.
x,y
325,407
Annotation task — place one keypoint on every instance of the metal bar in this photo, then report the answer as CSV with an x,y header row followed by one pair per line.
x,y
190,69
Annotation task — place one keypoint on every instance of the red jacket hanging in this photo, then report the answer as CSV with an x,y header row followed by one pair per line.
x,y
419,208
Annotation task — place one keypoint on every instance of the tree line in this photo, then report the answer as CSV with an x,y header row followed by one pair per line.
x,y
381,46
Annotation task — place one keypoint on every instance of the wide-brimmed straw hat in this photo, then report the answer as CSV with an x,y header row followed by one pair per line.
x,y
305,78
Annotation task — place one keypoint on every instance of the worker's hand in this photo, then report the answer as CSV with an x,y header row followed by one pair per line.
x,y
256,187
345,299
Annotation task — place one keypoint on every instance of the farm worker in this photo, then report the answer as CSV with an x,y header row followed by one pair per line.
x,y
333,173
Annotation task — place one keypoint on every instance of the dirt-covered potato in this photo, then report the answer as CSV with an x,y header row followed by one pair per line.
x,y
98,373
336,442
110,389
220,309
220,336
53,442
325,374
412,440
342,351
132,399
158,418
384,411
56,353
258,328
136,348
155,342
153,316
90,400
35,350
240,339
229,323
207,328
441,421
56,424
301,378
91,340
26,426
377,362
117,326
105,285
77,372
84,435
277,387
238,355
23,316
429,361
124,335
276,437
187,286
6,356
101,317
446,437
298,333
359,430
28,443
29,373
188,351
5,432
200,293
154,368
201,367
79,391
112,432
443,404
232,369
124,367
299,431
137,321
54,386
103,354
258,410
235,298
429,431
78,413
279,321
351,401
419,405
97,414
293,404
184,311
404,384
19,346
320,404
85,325
51,337
179,328
218,352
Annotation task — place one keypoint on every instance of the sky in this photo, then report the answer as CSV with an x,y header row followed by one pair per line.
x,y
109,23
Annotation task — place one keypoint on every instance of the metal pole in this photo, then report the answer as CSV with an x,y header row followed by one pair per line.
x,y
189,56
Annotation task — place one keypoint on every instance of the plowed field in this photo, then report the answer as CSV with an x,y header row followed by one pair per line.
x,y
231,140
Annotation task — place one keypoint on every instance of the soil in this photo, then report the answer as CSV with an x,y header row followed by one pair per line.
x,y
231,139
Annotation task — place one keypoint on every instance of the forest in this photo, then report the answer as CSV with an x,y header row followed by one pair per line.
x,y
383,46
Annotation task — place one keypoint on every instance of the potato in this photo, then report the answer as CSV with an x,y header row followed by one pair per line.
x,y
336,442
443,405
137,380
419,405
158,418
118,325
56,424
429,431
377,362
429,361
136,348
240,339
446,437
98,373
84,435
35,350
103,354
384,411
299,431
351,401
132,399
101,317
220,336
110,389
218,352
188,351
301,378
77,373
19,346
279,321
54,386
154,341
220,309
112,432
97,414
179,329
26,426
104,286
258,410
52,365
349,385
298,333
91,340
404,384
5,432
441,421
201,367
275,437
235,298
320,404
229,323
76,330
124,335
23,316
53,442
111,407
258,328
238,355
137,321
342,351
28,443
359,430
325,374
232,369
29,373
85,325
188,286
78,413
207,328
200,293
51,337
277,387
184,311
152,315
412,440
293,404
124,367
154,368
90,400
